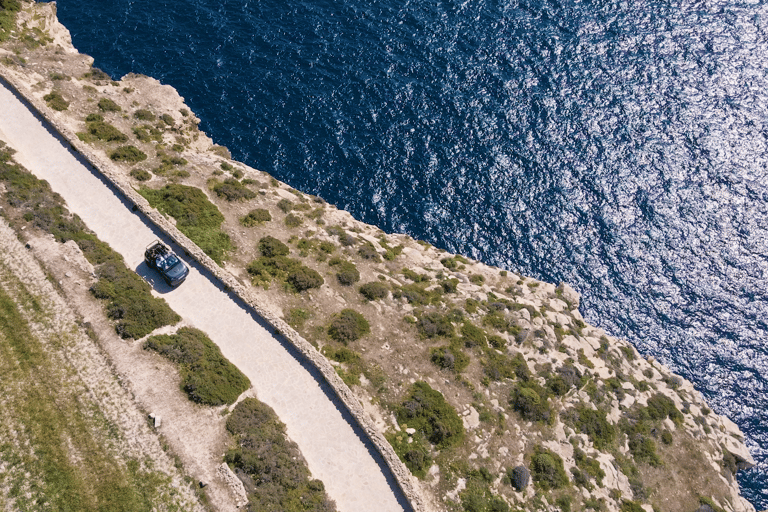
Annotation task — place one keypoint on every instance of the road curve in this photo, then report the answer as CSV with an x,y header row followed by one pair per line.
x,y
336,448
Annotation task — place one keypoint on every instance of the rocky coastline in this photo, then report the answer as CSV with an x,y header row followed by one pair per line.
x,y
433,309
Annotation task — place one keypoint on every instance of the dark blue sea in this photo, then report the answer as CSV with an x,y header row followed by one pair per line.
x,y
619,146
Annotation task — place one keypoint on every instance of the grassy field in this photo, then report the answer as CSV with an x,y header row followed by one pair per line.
x,y
58,450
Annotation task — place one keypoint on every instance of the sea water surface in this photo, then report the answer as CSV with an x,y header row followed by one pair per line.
x,y
619,146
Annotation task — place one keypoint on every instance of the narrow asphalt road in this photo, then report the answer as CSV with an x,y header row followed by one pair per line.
x,y
336,449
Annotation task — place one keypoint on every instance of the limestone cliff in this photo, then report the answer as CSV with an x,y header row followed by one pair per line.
x,y
538,391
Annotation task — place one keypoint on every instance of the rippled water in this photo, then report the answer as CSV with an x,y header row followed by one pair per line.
x,y
618,146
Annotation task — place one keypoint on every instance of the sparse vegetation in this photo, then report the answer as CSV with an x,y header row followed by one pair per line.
x,y
547,469
130,154
107,105
56,101
195,216
255,217
232,190
272,468
426,410
348,326
207,376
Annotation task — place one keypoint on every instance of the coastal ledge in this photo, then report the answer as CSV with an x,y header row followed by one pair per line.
x,y
541,324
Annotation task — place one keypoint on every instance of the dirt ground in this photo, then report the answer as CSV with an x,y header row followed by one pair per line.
x,y
194,434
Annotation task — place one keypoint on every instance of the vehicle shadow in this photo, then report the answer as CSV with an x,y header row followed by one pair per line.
x,y
153,278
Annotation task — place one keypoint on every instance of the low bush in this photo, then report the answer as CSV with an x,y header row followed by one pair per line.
x,y
477,496
269,247
293,221
255,217
56,101
296,317
450,357
167,119
413,451
285,205
432,324
232,190
473,336
426,410
97,75
272,468
531,401
547,469
195,216
147,133
661,407
129,154
593,423
589,466
500,366
107,105
304,278
630,506
206,375
374,290
347,326
140,174
347,273
144,115
369,252
105,132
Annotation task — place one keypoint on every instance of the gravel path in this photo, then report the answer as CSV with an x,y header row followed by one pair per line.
x,y
336,450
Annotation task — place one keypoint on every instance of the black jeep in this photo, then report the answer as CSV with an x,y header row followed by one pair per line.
x,y
161,258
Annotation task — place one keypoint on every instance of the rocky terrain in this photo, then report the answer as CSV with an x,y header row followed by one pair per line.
x,y
488,385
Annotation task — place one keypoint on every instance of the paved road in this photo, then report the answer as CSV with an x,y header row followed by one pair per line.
x,y
335,448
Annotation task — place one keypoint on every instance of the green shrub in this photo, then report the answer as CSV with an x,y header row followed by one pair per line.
x,y
450,285
666,437
643,449
144,115
303,278
107,105
500,366
661,407
449,357
433,324
94,118
97,74
414,454
477,279
426,410
293,221
195,216
140,174
531,402
128,154
232,190
147,133
414,276
368,252
347,273
106,132
167,119
56,101
206,375
589,466
595,425
473,336
547,469
271,466
348,326
285,205
270,247
630,506
296,317
374,290
255,217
